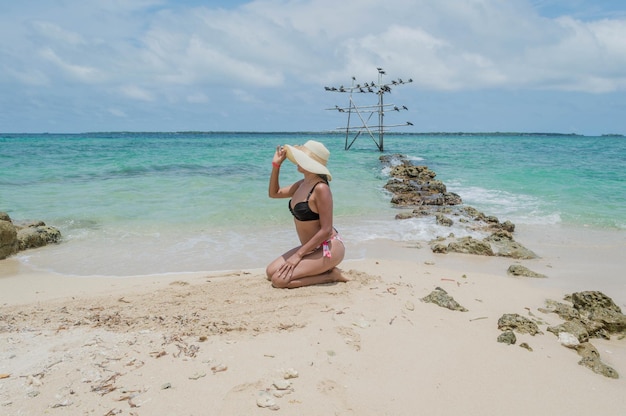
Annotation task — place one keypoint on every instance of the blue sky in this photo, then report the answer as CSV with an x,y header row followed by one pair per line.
x,y
167,65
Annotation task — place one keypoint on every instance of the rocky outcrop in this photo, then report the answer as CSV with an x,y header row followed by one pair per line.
x,y
415,187
17,237
591,314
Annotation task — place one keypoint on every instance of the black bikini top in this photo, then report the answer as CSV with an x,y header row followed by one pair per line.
x,y
302,211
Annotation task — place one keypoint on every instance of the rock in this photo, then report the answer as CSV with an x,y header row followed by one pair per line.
x,y
519,270
526,346
592,300
574,327
591,359
413,185
592,313
265,399
613,322
469,245
8,238
508,226
516,322
508,247
14,238
443,220
441,298
515,250
439,248
507,337
416,186
37,235
565,312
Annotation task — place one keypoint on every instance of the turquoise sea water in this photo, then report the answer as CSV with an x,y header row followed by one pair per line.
x,y
147,203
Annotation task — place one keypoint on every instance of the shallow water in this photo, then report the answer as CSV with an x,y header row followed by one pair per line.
x,y
146,203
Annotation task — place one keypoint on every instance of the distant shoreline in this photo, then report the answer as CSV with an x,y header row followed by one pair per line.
x,y
328,133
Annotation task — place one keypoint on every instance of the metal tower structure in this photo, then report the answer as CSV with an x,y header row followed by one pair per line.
x,y
364,114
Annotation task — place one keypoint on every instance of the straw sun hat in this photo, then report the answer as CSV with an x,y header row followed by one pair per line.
x,y
311,156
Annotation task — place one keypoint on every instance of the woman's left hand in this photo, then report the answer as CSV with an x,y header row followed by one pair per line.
x,y
285,272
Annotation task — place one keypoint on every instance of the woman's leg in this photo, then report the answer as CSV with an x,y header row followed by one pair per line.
x,y
314,268
273,267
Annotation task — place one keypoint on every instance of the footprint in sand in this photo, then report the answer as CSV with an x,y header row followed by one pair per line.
x,y
337,395
241,399
351,337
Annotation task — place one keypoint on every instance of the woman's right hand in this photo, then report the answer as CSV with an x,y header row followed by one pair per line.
x,y
280,155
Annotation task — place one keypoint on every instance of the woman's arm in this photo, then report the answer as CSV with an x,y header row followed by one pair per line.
x,y
274,190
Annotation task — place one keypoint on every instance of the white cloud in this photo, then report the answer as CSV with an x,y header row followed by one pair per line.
x,y
163,52
81,73
137,93
53,32
117,112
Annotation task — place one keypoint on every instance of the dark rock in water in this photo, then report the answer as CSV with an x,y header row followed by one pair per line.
x,y
440,297
508,226
416,186
470,245
591,359
8,238
443,220
37,235
413,185
14,238
516,322
507,337
519,270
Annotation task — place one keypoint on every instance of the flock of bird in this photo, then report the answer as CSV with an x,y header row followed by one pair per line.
x,y
371,87
379,88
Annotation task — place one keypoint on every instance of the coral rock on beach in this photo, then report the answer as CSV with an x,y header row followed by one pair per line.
x,y
519,270
515,322
14,238
592,315
440,297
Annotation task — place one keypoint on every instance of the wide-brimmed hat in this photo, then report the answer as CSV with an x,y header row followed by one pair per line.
x,y
311,156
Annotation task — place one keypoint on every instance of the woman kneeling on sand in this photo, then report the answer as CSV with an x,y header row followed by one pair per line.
x,y
321,250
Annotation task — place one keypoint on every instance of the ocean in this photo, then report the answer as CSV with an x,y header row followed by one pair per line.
x,y
153,203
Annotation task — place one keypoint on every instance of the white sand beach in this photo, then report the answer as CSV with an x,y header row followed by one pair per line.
x,y
223,343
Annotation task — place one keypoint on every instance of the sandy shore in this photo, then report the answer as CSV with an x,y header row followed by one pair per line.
x,y
216,343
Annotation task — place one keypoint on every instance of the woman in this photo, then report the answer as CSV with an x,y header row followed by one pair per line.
x,y
311,204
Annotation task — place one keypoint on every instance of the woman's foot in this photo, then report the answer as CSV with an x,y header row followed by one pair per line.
x,y
337,275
